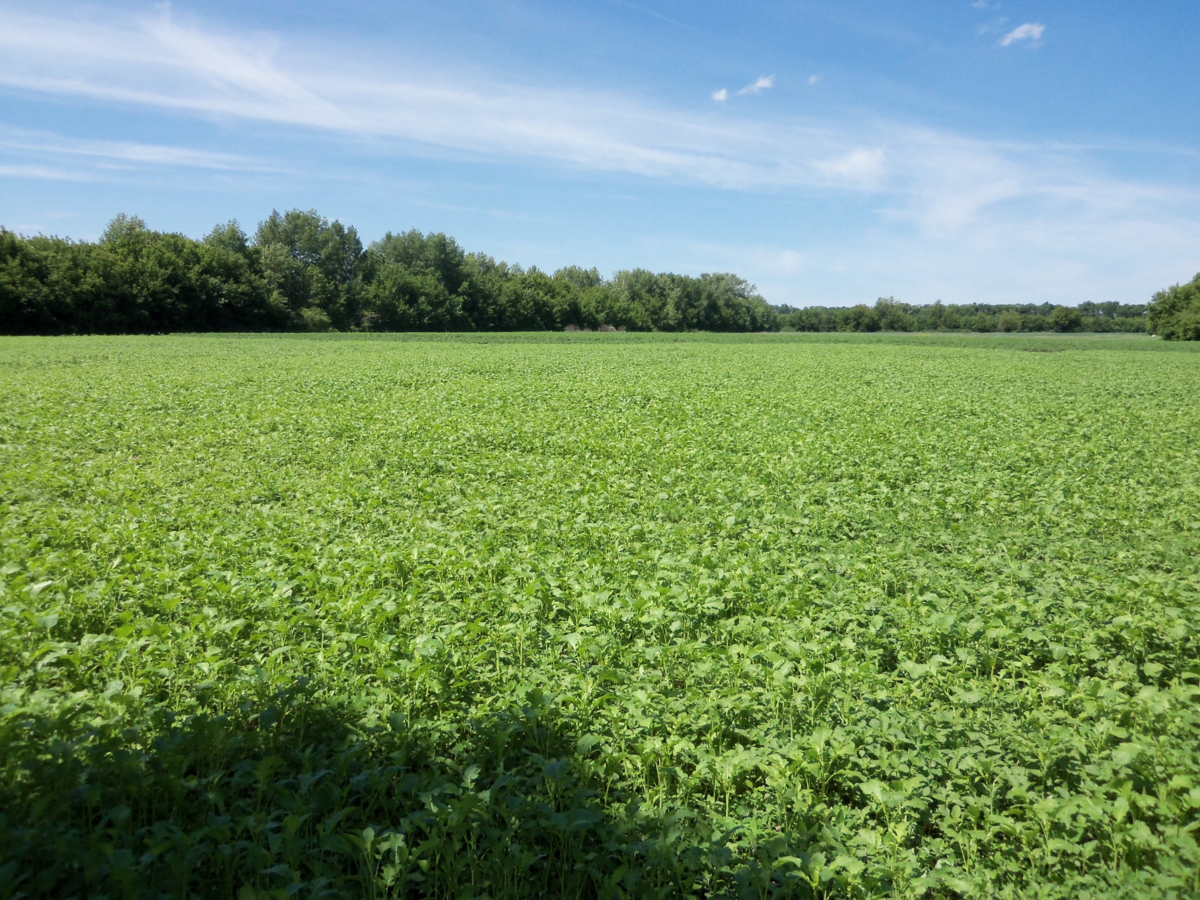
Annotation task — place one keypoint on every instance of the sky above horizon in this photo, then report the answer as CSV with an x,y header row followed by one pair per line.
x,y
994,152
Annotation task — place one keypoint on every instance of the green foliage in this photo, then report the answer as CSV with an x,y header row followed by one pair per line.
x,y
304,273
599,616
890,315
1009,321
1175,312
1066,318
893,316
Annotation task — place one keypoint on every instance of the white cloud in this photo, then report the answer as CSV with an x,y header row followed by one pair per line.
x,y
948,208
650,12
1028,32
124,152
41,173
764,83
786,262
813,79
860,167
183,68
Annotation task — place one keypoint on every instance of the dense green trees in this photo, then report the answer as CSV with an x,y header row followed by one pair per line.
x,y
1175,312
889,315
301,272
133,280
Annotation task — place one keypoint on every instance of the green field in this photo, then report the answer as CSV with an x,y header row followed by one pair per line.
x,y
615,615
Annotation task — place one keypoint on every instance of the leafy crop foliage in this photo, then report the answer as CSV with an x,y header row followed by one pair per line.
x,y
599,615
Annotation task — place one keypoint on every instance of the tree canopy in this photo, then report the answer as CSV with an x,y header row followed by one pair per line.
x,y
890,315
301,272
1175,312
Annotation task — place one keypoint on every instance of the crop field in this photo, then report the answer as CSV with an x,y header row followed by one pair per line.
x,y
599,616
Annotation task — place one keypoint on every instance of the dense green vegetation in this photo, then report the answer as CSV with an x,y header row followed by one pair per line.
x,y
599,615
303,273
889,315
1175,312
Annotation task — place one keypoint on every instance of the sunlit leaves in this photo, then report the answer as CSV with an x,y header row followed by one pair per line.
x,y
600,616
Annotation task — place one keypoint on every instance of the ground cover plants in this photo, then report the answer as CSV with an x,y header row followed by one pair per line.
x,y
599,615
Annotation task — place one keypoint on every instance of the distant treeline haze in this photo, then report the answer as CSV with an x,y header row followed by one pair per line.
x,y
889,315
301,272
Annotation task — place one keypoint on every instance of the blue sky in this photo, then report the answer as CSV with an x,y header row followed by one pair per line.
x,y
830,153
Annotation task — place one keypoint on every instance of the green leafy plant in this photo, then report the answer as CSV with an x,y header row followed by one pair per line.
x,y
599,615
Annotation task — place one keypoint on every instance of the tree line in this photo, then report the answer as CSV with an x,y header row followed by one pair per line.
x,y
889,315
301,272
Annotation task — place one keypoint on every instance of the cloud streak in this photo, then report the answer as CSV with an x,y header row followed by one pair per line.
x,y
765,83
125,153
650,12
1030,31
919,184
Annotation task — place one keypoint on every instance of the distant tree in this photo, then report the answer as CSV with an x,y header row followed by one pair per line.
x,y
1035,322
1066,318
861,318
312,264
638,294
529,302
894,316
1174,313
41,282
302,272
233,275
580,277
398,299
1009,321
144,281
983,323
730,303
936,316
812,318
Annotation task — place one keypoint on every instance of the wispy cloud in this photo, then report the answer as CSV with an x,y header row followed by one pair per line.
x,y
125,152
1030,31
161,63
41,173
813,79
860,167
650,12
983,202
182,66
764,83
